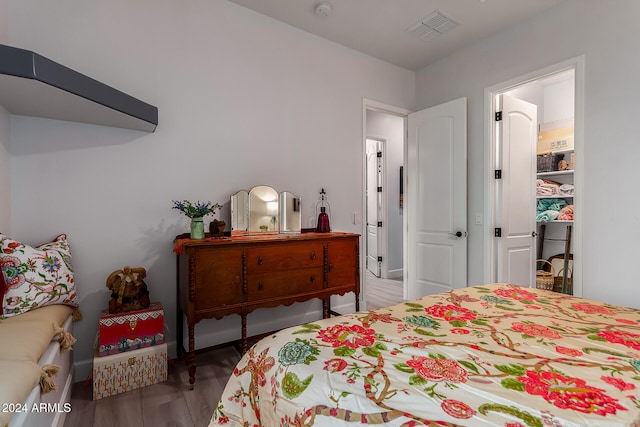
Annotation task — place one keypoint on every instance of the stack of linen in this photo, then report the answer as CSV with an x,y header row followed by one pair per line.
x,y
551,188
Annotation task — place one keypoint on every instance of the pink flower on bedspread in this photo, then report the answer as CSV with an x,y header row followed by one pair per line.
x,y
592,308
569,393
450,312
438,369
335,365
618,383
568,351
627,321
353,336
516,293
535,330
619,337
457,409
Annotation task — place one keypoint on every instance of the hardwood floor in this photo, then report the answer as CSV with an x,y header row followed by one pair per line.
x,y
381,292
167,404
171,403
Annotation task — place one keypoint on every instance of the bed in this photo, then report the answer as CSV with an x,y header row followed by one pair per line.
x,y
490,355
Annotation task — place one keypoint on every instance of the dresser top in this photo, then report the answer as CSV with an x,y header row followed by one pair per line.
x,y
184,239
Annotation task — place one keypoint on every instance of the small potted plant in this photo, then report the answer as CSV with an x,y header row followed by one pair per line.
x,y
196,211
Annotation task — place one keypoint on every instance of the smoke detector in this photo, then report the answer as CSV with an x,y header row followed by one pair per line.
x,y
323,9
432,26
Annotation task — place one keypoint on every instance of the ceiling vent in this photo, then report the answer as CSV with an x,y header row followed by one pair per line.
x,y
432,26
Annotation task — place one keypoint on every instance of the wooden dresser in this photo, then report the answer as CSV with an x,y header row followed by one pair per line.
x,y
236,275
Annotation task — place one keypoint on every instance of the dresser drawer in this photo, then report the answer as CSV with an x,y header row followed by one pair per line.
x,y
282,257
284,283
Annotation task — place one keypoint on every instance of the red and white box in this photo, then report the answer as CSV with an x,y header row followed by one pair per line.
x,y
132,330
134,369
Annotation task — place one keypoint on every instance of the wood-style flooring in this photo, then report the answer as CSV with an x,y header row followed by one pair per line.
x,y
381,292
168,404
171,403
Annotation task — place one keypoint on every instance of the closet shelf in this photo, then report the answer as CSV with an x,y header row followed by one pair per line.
x,y
556,221
554,197
555,173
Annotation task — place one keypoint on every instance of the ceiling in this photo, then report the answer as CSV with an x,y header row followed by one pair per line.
x,y
379,27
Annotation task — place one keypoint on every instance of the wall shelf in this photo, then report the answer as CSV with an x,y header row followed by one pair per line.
x,y
32,85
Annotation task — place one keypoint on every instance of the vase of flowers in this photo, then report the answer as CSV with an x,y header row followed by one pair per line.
x,y
196,211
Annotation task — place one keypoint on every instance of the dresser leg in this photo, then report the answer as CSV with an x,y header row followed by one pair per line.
x,y
244,333
357,301
326,303
191,357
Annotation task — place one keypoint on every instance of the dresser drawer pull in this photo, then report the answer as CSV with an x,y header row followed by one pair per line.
x,y
260,286
313,255
259,260
312,279
330,267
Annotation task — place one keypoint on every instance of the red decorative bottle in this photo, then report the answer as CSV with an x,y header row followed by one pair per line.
x,y
323,221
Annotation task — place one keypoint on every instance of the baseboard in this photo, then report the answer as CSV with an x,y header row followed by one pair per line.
x,y
395,274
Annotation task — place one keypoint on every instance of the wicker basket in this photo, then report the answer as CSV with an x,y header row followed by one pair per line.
x,y
557,282
545,279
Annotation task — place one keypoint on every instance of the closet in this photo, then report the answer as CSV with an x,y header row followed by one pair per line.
x,y
544,192
555,193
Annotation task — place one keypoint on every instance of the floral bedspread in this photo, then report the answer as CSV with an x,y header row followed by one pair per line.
x,y
498,355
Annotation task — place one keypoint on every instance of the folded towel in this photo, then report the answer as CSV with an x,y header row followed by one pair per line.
x,y
565,190
550,204
547,216
546,188
566,213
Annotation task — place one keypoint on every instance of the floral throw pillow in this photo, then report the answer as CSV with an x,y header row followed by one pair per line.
x,y
36,276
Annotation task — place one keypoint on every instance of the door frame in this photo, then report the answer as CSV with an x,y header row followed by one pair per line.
x,y
490,160
380,203
368,104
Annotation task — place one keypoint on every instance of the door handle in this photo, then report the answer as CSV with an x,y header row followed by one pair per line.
x,y
459,234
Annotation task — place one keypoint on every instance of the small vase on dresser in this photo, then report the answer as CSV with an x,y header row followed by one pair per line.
x,y
197,228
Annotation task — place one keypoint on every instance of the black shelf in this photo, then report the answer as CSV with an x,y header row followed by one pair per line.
x,y
32,85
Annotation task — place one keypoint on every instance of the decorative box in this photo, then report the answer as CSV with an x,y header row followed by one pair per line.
x,y
555,140
131,330
134,369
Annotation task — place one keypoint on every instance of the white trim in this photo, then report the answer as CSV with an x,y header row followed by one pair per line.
x,y
382,249
578,65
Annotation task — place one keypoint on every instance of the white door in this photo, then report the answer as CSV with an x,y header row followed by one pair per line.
x,y
516,191
437,199
374,204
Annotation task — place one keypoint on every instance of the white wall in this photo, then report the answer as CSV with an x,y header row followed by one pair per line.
x,y
5,173
605,32
243,100
5,157
391,129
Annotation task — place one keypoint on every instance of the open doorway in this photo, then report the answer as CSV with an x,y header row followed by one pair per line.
x,y
383,147
516,233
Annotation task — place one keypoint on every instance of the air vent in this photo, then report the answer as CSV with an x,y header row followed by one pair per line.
x,y
432,26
